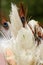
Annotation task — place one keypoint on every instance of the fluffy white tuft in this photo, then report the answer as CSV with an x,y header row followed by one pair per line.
x,y
16,23
24,46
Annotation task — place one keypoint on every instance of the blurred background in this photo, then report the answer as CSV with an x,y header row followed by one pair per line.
x,y
34,7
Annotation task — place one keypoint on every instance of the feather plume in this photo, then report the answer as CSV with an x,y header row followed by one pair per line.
x,y
15,20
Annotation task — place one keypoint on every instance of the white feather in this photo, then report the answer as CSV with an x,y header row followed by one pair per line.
x,y
32,23
15,20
